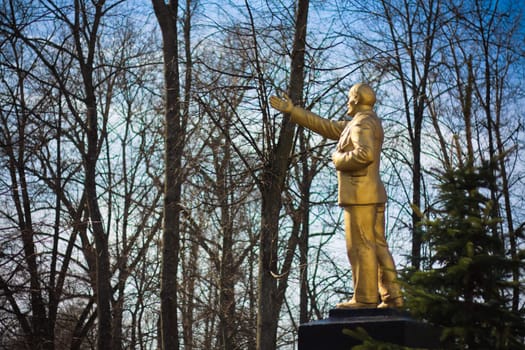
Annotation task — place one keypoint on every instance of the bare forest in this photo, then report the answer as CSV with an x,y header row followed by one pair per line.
x,y
150,198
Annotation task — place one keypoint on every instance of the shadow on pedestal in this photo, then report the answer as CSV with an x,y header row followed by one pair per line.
x,y
387,325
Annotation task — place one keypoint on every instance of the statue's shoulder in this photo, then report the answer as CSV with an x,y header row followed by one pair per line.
x,y
366,117
369,120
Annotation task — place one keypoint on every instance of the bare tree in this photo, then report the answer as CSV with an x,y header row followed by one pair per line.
x,y
17,146
176,114
485,89
271,186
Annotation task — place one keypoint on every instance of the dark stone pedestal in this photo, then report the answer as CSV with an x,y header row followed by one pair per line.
x,y
388,325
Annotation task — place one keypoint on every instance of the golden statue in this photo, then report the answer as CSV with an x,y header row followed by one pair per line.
x,y
361,194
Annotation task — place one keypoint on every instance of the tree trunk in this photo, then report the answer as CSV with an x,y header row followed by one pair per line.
x,y
271,188
304,210
103,270
226,273
103,274
167,17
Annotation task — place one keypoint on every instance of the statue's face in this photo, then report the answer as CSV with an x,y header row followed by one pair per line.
x,y
353,100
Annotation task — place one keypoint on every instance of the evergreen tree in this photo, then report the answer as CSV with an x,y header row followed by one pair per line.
x,y
466,289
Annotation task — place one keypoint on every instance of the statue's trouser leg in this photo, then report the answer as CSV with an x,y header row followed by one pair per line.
x,y
388,286
361,248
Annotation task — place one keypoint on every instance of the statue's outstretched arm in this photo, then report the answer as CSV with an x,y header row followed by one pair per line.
x,y
309,120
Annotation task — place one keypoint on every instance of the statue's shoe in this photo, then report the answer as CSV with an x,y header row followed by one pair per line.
x,y
392,303
352,304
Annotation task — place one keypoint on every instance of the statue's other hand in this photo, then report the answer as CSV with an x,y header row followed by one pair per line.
x,y
282,104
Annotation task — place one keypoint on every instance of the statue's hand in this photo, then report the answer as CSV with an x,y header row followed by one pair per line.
x,y
282,104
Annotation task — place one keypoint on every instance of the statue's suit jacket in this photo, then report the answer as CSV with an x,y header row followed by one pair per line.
x,y
357,155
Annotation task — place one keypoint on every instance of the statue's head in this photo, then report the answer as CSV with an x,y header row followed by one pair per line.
x,y
360,97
